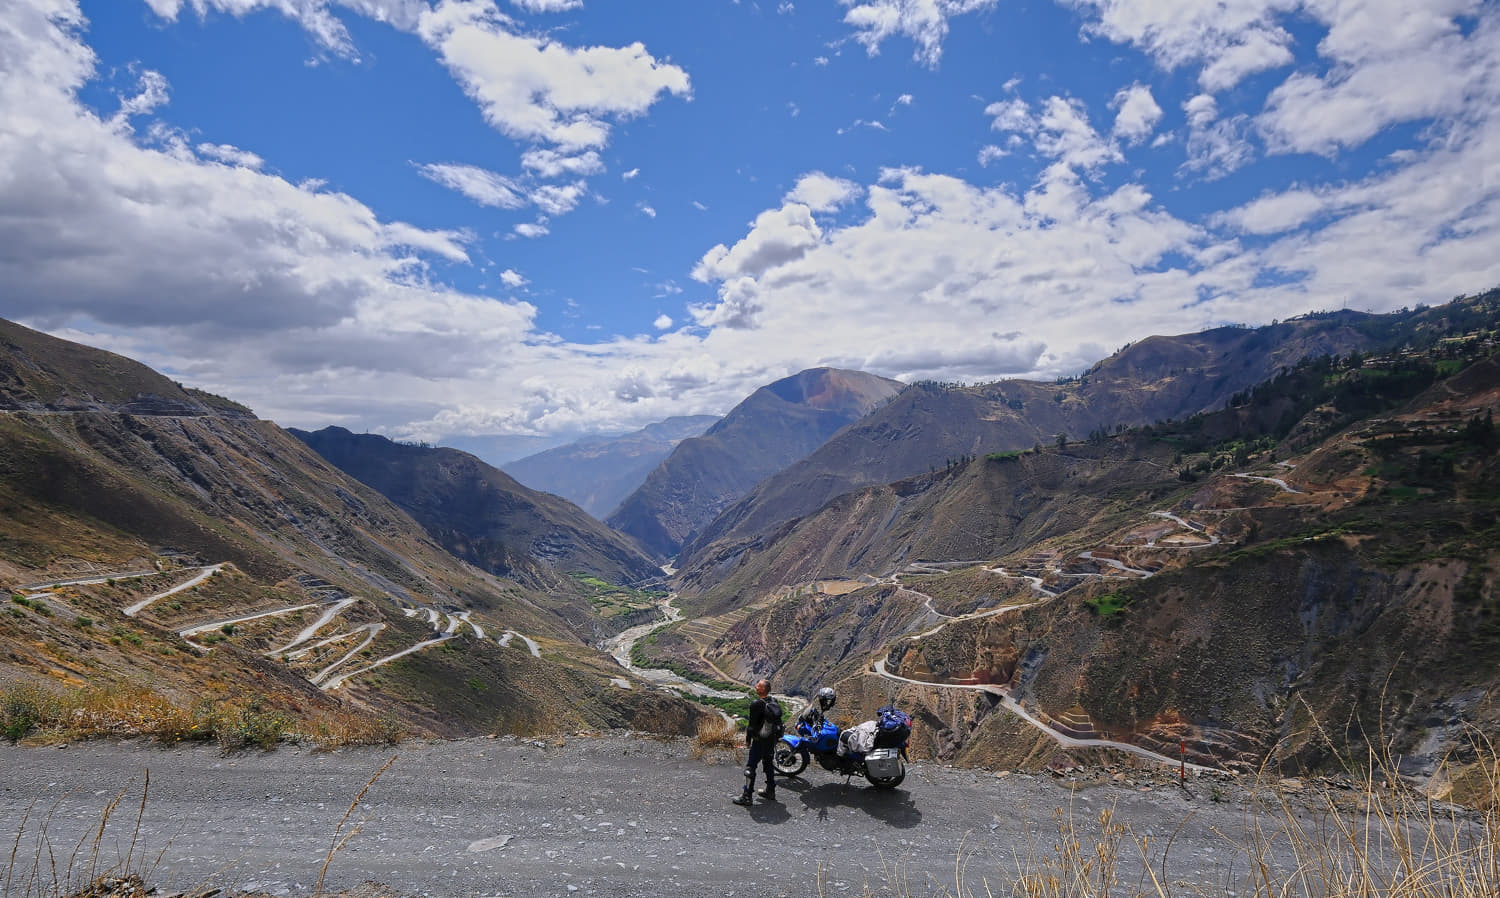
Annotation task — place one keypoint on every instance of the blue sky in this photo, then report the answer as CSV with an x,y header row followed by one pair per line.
x,y
439,219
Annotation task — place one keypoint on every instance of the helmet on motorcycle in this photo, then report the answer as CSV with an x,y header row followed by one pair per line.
x,y
826,697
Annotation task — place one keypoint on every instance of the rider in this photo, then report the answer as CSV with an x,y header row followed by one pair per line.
x,y
812,715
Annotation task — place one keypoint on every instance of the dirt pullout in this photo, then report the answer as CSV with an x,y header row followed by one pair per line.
x,y
614,815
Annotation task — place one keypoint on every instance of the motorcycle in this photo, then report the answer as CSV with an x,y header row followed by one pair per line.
x,y
884,765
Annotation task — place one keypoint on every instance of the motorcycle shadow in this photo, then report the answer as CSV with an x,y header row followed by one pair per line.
x,y
893,807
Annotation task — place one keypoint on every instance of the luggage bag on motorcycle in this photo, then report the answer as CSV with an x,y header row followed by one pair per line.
x,y
893,727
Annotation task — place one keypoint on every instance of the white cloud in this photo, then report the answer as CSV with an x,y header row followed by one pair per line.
x,y
533,230
558,199
646,210
1229,39
1064,133
230,155
662,322
1136,113
480,185
548,163
778,236
153,94
1011,115
925,22
991,153
1215,146
822,193
1390,64
512,279
1274,213
630,175
538,89
548,5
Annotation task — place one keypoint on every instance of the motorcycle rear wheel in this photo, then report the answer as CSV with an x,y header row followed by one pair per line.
x,y
788,761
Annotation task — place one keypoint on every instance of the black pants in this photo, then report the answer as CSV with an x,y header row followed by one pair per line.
x,y
761,751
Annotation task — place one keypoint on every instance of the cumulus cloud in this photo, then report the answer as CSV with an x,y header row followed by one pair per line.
x,y
512,279
822,193
778,236
662,322
548,163
1136,113
1228,40
1060,129
924,22
537,89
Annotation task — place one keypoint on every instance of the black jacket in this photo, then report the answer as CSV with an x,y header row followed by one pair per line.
x,y
757,719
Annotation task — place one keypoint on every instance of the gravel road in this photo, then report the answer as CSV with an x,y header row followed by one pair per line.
x,y
610,815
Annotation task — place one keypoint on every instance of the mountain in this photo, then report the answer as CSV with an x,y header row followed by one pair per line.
x,y
1301,577
773,427
598,473
930,425
481,514
162,539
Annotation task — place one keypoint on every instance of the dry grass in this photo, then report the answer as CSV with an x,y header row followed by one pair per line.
x,y
717,738
37,714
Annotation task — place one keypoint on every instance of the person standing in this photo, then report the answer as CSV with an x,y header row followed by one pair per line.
x,y
761,733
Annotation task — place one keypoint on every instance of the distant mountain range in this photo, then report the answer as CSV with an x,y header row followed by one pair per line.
x,y
930,425
772,428
597,473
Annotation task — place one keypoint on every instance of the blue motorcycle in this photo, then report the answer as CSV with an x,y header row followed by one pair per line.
x,y
884,765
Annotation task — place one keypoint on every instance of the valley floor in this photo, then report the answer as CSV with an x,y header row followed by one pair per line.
x,y
614,815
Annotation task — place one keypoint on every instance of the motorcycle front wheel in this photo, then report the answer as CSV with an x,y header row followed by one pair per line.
x,y
788,761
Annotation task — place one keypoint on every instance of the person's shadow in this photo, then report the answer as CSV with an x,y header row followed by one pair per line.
x,y
893,807
770,812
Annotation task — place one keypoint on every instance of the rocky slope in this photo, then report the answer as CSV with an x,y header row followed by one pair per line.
x,y
481,514
931,425
598,473
297,587
1305,576
773,427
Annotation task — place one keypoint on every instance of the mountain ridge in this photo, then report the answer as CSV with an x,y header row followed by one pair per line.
x,y
769,429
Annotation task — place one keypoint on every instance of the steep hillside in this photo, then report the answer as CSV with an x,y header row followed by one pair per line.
x,y
187,548
597,474
931,425
774,427
481,514
1306,574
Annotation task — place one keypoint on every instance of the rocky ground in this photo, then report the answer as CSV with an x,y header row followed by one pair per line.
x,y
610,814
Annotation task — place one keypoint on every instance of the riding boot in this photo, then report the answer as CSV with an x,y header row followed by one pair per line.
x,y
768,793
747,796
